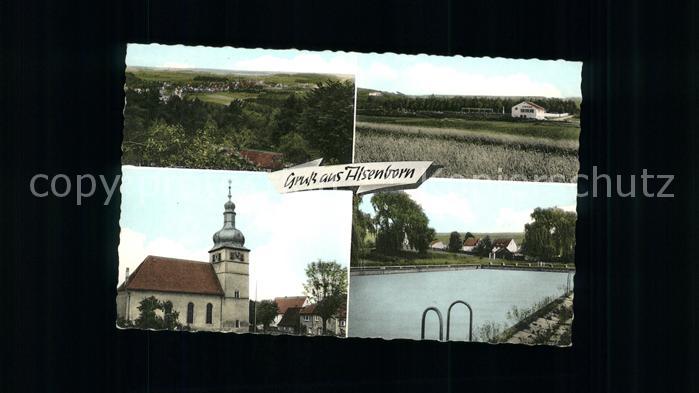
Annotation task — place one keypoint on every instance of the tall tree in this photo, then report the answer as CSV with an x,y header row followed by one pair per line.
x,y
266,311
327,120
551,235
149,318
399,217
483,247
455,243
361,227
326,286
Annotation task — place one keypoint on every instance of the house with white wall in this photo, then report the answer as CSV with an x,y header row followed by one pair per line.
x,y
438,245
528,110
499,245
470,244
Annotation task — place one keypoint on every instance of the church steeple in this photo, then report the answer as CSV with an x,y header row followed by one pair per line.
x,y
228,236
230,260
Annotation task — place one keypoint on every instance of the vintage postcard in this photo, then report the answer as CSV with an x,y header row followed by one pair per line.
x,y
264,192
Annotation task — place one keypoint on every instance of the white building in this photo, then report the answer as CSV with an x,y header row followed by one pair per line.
x,y
438,245
312,324
470,244
503,245
207,295
528,110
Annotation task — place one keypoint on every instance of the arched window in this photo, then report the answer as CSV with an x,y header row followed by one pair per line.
x,y
236,294
209,312
190,312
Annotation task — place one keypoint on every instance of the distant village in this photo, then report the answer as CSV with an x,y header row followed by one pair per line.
x,y
167,90
500,248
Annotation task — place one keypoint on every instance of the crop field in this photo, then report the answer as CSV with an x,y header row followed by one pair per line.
x,y
541,129
492,151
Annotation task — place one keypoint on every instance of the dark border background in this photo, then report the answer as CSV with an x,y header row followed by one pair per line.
x,y
635,309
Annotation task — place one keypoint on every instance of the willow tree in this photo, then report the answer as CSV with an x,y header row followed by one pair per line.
x,y
399,218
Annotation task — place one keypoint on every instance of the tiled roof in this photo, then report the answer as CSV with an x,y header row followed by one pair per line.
x,y
535,105
501,242
471,241
284,303
308,310
174,275
264,159
342,311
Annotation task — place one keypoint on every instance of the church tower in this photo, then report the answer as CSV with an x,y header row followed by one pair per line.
x,y
232,266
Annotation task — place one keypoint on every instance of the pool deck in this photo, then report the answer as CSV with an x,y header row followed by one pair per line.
x,y
524,266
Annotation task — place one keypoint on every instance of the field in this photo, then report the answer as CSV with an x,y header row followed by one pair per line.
x,y
503,150
222,98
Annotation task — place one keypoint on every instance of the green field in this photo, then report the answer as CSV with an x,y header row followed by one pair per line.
x,y
480,149
188,75
538,129
223,98
432,258
443,258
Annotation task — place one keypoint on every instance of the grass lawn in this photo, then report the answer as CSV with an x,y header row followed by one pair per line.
x,y
445,258
432,258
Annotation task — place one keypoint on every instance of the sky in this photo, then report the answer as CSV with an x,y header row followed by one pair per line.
x,y
175,212
485,205
408,74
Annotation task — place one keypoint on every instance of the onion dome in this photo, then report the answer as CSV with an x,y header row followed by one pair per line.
x,y
228,236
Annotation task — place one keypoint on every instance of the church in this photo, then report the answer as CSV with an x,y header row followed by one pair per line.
x,y
209,295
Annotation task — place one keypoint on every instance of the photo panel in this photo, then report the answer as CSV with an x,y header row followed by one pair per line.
x,y
465,260
480,118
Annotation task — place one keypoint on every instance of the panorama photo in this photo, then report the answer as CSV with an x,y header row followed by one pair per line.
x,y
465,260
480,118
236,109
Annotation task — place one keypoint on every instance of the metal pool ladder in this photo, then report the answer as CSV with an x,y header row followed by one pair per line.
x,y
441,323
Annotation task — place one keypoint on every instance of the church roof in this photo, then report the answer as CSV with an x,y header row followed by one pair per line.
x,y
165,274
284,303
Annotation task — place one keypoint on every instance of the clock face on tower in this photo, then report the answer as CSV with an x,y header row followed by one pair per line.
x,y
237,256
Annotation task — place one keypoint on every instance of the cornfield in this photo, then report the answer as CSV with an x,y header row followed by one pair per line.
x,y
469,154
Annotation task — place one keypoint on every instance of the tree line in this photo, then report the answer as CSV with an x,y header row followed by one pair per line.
x,y
396,103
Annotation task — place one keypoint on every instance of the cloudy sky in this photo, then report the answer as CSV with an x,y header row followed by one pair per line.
x,y
485,205
408,74
175,212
